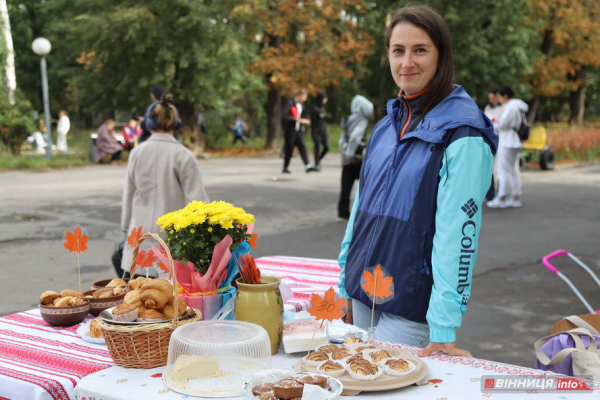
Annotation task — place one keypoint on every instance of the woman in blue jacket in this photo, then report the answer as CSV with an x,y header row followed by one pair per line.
x,y
417,210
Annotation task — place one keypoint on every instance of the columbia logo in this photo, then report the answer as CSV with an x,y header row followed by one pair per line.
x,y
470,208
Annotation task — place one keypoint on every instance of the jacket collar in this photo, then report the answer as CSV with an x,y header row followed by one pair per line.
x,y
162,137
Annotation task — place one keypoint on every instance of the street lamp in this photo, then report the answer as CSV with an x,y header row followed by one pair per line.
x,y
41,46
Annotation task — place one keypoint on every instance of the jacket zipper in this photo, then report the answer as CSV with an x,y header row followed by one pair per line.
x,y
403,130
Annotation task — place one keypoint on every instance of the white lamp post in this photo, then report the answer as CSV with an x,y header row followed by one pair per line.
x,y
41,46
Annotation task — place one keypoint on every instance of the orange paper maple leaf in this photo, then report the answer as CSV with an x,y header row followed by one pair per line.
x,y
75,242
384,283
134,236
326,307
146,259
252,240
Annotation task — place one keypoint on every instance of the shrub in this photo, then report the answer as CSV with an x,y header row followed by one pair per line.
x,y
16,122
575,142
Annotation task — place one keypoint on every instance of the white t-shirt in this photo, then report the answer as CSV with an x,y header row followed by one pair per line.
x,y
299,108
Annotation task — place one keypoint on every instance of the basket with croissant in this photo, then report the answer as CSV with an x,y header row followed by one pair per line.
x,y
66,308
156,305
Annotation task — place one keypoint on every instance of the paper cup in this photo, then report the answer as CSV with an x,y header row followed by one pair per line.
x,y
393,372
359,377
311,363
333,374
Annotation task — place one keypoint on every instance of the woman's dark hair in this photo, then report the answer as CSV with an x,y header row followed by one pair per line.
x,y
431,22
507,91
158,91
495,90
165,114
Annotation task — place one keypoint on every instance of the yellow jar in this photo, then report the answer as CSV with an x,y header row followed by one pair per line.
x,y
262,305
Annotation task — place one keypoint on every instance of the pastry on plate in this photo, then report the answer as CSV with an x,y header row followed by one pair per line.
x,y
339,354
380,355
264,388
95,330
328,348
396,364
364,368
288,389
353,339
317,356
125,313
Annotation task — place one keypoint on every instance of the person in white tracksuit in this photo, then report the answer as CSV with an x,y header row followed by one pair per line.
x,y
62,128
509,149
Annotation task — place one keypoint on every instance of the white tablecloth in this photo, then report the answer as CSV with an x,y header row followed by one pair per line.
x,y
450,378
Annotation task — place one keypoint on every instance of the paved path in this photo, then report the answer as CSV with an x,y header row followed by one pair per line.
x,y
515,300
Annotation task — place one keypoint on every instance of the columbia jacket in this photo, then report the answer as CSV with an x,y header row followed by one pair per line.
x,y
417,210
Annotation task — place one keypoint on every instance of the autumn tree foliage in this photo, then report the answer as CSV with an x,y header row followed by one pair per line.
x,y
311,44
570,32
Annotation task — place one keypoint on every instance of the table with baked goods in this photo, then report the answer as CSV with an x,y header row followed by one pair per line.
x,y
41,362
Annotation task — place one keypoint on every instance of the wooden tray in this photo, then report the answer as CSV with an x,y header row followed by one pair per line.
x,y
353,387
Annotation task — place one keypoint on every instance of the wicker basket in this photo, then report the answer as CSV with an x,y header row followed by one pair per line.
x,y
145,345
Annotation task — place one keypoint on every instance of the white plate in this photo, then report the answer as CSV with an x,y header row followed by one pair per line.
x,y
84,332
106,315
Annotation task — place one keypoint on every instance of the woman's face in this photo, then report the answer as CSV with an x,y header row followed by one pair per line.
x,y
413,58
492,98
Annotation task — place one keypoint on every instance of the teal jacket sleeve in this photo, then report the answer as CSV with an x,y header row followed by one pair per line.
x,y
465,177
345,247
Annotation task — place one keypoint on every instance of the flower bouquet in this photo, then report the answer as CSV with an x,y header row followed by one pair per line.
x,y
204,238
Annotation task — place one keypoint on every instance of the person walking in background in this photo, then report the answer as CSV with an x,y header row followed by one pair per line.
x,y
156,93
509,150
318,125
162,176
493,110
107,144
62,128
352,147
238,128
292,121
422,183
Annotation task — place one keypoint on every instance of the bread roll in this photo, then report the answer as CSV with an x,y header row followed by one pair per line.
x,y
116,282
137,283
48,297
119,290
64,301
156,293
168,310
150,315
72,293
103,292
95,330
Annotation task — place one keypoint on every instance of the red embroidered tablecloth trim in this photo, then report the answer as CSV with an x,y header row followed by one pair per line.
x,y
53,387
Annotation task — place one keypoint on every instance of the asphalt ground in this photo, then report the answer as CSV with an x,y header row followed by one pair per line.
x,y
514,301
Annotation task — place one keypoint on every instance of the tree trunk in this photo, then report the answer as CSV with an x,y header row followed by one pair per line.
x,y
9,78
273,110
532,114
577,99
190,132
547,49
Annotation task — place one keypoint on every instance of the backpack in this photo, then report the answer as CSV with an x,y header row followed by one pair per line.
x,y
523,129
346,130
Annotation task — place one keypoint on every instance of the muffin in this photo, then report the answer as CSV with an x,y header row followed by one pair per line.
x,y
359,350
328,348
264,388
125,313
317,380
288,389
315,358
381,355
331,368
364,370
355,358
353,339
340,354
267,396
398,367
151,315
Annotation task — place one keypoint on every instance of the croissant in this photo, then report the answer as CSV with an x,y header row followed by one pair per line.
x,y
137,283
156,293
48,297
95,330
119,290
181,307
134,297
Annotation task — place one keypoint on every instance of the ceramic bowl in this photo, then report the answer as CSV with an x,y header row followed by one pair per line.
x,y
99,305
65,316
103,283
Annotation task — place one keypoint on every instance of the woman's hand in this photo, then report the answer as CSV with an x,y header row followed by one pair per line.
x,y
304,121
449,348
